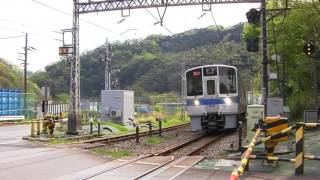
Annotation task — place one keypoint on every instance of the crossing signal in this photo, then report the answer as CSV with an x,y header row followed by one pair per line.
x,y
253,44
253,16
308,48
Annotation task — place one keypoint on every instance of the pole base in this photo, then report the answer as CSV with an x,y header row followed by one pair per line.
x,y
72,125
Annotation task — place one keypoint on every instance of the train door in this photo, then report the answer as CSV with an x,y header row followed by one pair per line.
x,y
210,86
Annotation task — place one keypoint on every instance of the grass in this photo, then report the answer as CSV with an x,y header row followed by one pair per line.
x,y
112,153
168,119
121,128
61,141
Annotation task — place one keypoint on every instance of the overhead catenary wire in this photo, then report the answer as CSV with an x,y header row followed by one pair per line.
x,y
282,21
12,37
27,25
81,19
31,33
159,20
219,32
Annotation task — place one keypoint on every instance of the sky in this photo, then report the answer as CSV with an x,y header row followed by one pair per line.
x,y
43,20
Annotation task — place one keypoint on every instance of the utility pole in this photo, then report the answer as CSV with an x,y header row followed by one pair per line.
x,y
107,60
264,55
74,117
25,71
25,64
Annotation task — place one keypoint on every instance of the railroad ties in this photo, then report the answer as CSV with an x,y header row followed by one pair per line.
x,y
167,163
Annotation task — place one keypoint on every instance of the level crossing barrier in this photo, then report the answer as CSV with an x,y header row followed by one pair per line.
x,y
299,157
245,157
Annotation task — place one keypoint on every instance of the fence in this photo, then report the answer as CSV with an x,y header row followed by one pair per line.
x,y
56,109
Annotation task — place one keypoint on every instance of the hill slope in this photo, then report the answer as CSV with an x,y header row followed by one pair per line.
x,y
153,64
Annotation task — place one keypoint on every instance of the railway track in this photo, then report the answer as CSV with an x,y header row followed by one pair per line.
x,y
106,140
164,161
191,148
182,154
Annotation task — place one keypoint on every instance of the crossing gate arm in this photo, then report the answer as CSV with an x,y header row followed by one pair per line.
x,y
245,157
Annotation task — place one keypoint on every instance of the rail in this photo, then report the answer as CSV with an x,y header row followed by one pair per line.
x,y
133,135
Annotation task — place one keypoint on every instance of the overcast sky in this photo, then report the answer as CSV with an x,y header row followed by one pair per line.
x,y
40,18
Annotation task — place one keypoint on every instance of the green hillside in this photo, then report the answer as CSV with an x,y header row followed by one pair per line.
x,y
153,64
11,76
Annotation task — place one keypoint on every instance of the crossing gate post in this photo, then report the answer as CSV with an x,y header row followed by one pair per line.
x,y
137,134
299,149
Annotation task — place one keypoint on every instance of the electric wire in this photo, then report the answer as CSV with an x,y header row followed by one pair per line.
x,y
218,29
10,29
31,33
81,19
219,32
11,37
27,25
158,20
282,21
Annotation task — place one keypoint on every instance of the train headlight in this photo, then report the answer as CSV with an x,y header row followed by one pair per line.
x,y
227,101
196,102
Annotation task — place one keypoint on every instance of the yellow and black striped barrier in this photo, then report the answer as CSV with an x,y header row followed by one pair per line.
x,y
299,148
274,158
299,163
245,157
273,125
280,134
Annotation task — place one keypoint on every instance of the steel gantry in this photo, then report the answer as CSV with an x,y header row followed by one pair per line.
x,y
111,5
91,6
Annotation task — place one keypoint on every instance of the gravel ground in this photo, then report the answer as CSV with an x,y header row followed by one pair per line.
x,y
216,150
168,139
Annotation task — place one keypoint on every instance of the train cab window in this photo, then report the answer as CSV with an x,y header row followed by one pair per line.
x,y
211,87
194,82
227,80
210,71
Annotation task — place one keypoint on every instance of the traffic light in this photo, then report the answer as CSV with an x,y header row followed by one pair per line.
x,y
253,16
253,44
309,48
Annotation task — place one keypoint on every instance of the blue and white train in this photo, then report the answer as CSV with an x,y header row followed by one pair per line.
x,y
212,97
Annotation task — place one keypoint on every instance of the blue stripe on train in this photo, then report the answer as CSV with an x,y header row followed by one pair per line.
x,y
212,101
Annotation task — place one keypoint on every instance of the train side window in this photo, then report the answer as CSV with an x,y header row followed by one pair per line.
x,y
211,87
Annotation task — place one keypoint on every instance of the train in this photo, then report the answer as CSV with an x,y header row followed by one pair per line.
x,y
213,98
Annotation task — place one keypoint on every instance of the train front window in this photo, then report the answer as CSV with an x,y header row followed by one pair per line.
x,y
227,80
211,87
194,83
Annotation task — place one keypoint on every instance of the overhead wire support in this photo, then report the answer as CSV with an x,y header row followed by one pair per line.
x,y
111,5
159,21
